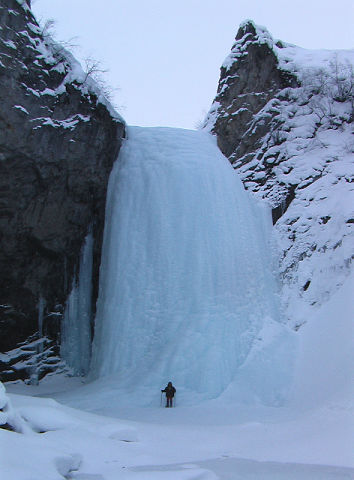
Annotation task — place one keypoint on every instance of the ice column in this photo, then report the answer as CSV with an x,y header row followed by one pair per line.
x,y
75,346
41,306
39,348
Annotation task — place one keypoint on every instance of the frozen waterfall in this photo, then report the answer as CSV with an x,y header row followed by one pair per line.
x,y
187,291
75,346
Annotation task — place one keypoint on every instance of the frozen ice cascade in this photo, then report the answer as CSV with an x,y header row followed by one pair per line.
x,y
187,289
75,345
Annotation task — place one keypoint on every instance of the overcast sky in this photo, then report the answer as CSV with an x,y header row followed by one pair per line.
x,y
164,56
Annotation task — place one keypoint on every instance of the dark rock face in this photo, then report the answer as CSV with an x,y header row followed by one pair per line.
x,y
249,78
245,115
57,146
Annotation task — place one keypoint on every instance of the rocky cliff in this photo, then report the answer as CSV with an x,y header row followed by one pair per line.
x,y
58,140
283,115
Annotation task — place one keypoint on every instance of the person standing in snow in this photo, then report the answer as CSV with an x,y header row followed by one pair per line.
x,y
170,393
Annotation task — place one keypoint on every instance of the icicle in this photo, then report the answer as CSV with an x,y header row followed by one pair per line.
x,y
76,326
34,368
41,306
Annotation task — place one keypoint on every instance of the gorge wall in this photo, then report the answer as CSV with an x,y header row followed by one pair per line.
x,y
58,140
283,116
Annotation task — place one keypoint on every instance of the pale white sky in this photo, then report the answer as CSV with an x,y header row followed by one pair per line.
x,y
164,56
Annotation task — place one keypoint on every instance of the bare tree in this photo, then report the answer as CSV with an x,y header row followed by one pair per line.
x,y
322,88
342,76
61,50
93,69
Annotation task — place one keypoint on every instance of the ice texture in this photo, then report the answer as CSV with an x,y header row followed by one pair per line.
x,y
41,306
75,346
186,282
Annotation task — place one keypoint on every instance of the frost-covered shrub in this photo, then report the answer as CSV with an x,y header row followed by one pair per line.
x,y
322,88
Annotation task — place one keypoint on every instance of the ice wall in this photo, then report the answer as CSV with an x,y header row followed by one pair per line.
x,y
186,280
75,346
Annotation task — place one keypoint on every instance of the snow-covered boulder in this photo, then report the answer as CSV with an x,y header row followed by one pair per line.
x,y
9,418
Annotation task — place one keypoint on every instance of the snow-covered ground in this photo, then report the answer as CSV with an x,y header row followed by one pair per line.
x,y
221,442
95,434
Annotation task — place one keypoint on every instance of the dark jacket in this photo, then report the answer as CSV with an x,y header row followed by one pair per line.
x,y
169,390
